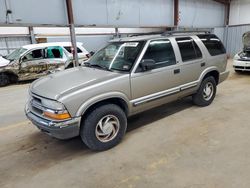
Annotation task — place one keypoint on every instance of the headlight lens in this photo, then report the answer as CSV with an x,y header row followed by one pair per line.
x,y
54,105
55,110
61,115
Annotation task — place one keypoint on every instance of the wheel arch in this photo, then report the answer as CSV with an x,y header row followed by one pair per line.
x,y
88,106
13,76
213,71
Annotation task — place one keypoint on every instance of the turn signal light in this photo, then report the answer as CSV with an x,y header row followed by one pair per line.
x,y
62,116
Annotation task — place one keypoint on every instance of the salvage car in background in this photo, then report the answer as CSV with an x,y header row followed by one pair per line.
x,y
242,59
36,60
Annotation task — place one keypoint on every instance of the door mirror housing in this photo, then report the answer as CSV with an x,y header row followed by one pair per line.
x,y
147,64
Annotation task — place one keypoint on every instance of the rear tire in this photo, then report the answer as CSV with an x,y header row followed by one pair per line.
x,y
206,92
4,79
104,127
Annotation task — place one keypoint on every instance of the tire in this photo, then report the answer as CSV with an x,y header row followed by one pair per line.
x,y
4,79
203,98
98,139
70,66
238,71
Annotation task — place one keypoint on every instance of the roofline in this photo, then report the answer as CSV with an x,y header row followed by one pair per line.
x,y
29,46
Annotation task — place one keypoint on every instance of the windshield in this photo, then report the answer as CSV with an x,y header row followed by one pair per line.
x,y
15,54
119,56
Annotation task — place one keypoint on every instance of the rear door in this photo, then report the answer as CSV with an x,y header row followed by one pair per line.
x,y
56,58
33,65
192,62
154,87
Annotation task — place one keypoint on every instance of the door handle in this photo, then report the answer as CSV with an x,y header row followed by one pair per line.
x,y
203,64
177,71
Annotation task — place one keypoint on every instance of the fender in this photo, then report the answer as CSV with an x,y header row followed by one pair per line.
x,y
205,72
100,98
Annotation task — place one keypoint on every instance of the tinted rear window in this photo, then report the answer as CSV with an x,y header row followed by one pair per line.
x,y
213,44
189,49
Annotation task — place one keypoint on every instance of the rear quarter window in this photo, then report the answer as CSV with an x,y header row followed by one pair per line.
x,y
68,48
213,44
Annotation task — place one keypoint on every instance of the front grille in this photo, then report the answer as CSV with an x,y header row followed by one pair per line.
x,y
242,68
238,67
36,106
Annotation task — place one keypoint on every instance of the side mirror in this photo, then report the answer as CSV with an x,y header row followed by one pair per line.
x,y
147,64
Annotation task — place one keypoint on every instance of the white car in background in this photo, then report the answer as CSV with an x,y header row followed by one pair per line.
x,y
35,60
242,59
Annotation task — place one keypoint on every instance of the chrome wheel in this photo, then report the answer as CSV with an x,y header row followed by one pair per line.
x,y
107,128
208,91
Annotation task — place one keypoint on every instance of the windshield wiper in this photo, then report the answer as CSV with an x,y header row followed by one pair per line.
x,y
96,65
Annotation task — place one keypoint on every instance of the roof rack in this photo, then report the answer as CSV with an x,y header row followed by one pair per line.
x,y
150,33
165,33
188,31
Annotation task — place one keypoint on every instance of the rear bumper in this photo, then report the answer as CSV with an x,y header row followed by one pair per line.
x,y
224,76
61,130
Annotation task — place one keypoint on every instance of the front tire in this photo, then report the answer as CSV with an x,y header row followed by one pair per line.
x,y
206,92
4,79
104,127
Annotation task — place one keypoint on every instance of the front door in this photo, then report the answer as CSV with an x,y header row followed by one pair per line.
x,y
33,65
152,88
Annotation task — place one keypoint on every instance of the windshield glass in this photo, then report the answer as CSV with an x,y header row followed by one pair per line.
x,y
119,56
15,54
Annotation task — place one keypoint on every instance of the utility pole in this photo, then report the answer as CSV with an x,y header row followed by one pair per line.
x,y
176,14
72,32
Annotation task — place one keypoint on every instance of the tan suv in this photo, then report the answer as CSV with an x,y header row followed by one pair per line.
x,y
128,76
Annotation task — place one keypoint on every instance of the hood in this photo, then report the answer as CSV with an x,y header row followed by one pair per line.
x,y
4,62
246,40
65,82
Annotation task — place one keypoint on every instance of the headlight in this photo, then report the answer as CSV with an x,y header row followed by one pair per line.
x,y
54,105
57,115
55,110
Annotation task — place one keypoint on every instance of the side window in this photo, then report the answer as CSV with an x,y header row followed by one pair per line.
x,y
33,55
79,50
68,48
213,44
54,52
161,51
189,49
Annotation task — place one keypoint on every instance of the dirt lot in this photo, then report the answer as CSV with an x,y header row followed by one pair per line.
x,y
177,145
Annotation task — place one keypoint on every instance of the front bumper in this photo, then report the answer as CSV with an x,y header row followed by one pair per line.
x,y
241,65
61,130
224,76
